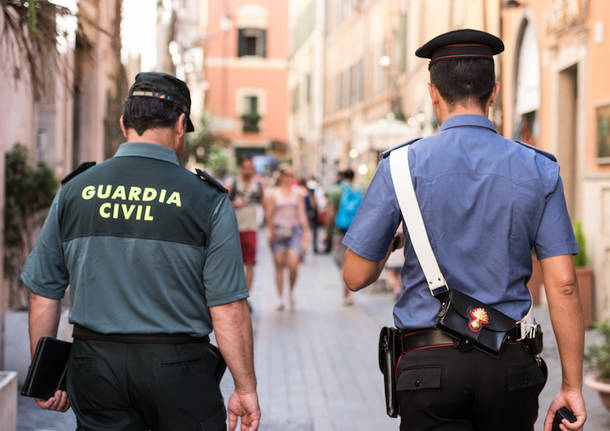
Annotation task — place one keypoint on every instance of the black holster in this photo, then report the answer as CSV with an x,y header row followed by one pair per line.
x,y
389,339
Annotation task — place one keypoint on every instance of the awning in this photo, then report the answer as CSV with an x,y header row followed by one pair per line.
x,y
383,134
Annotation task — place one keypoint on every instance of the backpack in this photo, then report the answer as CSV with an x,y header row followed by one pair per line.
x,y
256,197
348,206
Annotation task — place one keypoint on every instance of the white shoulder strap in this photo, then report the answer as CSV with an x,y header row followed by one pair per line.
x,y
411,213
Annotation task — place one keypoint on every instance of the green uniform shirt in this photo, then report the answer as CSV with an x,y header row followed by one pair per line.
x,y
334,196
145,245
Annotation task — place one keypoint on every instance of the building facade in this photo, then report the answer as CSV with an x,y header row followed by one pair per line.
x,y
74,118
557,96
375,92
246,73
306,86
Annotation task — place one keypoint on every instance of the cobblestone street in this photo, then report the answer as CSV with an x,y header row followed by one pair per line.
x,y
317,364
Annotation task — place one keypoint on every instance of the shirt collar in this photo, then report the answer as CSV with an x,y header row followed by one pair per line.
x,y
471,120
144,149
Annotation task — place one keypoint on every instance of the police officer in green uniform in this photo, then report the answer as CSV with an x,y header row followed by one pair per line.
x,y
152,256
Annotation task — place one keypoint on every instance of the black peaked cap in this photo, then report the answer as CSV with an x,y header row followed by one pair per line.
x,y
165,87
464,43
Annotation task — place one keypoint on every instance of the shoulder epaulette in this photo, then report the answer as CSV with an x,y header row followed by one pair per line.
x,y
81,168
539,151
203,175
387,153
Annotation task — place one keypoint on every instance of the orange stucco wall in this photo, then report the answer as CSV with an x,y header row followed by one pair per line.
x,y
550,43
221,98
226,73
599,70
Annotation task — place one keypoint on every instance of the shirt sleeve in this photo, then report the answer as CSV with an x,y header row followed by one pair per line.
x,y
377,219
223,271
334,196
45,272
555,235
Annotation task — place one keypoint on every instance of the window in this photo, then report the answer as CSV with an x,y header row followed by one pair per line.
x,y
252,42
603,133
346,88
402,38
339,91
295,99
251,117
308,89
360,80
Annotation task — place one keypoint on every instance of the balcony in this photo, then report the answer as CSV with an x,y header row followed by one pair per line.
x,y
250,123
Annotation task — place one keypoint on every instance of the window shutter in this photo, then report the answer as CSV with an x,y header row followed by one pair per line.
x,y
263,52
241,43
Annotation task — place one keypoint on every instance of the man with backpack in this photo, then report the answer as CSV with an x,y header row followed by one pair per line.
x,y
346,204
246,193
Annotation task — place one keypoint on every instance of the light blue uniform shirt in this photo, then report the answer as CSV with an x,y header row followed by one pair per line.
x,y
486,202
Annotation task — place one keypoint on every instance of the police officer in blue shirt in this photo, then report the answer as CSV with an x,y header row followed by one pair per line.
x,y
152,257
486,202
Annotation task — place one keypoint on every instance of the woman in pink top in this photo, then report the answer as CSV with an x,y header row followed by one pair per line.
x,y
287,230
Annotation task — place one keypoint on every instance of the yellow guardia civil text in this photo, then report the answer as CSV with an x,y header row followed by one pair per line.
x,y
129,202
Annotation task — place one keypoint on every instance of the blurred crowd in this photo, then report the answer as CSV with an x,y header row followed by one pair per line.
x,y
298,215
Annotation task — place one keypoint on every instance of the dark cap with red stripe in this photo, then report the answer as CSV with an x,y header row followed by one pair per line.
x,y
464,43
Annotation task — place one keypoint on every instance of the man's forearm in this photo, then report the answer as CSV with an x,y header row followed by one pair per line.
x,y
359,272
566,316
43,318
567,320
233,329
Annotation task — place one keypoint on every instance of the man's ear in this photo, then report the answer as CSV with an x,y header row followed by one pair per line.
x,y
494,95
123,129
180,125
435,96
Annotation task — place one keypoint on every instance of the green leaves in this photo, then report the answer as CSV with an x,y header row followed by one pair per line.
x,y
581,259
29,193
597,355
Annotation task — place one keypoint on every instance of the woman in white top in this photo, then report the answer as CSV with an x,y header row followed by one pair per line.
x,y
287,230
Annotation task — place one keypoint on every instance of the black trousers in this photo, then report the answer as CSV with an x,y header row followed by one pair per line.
x,y
158,387
445,389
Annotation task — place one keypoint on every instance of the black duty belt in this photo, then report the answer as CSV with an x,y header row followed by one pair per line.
x,y
411,340
82,333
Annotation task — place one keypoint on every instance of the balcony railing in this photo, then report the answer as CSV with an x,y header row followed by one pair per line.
x,y
250,123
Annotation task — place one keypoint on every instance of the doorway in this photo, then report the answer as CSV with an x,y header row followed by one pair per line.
x,y
567,125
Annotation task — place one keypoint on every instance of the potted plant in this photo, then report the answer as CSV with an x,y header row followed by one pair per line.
x,y
584,275
597,357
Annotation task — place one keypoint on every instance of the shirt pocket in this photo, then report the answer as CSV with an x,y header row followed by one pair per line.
x,y
414,379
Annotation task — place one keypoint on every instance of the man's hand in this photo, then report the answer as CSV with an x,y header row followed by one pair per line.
x,y
244,405
238,203
233,329
58,402
574,401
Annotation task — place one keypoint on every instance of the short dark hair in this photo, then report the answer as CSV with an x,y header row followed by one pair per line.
x,y
242,159
464,80
348,174
143,113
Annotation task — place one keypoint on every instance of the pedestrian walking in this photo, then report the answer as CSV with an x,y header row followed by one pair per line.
x,y
246,194
465,359
151,253
333,197
348,202
311,210
394,265
287,231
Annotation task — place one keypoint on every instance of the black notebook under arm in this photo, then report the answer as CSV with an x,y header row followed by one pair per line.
x,y
47,372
